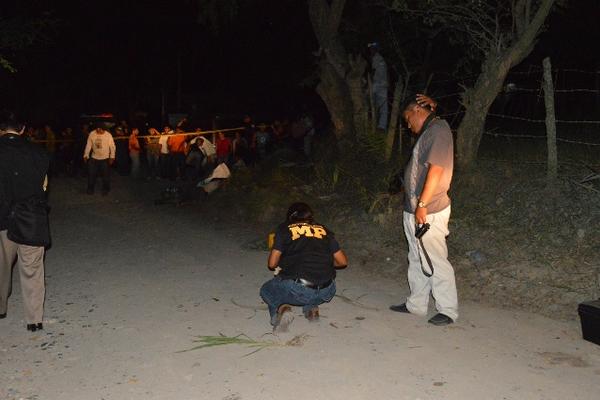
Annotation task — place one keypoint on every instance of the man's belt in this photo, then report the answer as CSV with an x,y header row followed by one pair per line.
x,y
311,285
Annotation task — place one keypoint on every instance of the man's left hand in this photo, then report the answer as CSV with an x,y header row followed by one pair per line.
x,y
426,101
420,215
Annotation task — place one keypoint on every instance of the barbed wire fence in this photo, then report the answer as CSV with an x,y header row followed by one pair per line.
x,y
515,130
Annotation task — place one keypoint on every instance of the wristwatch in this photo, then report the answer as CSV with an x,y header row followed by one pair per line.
x,y
420,204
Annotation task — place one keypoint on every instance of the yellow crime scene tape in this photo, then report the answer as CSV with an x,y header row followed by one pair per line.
x,y
148,136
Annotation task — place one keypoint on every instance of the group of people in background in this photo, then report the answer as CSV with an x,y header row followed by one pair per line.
x,y
177,153
304,254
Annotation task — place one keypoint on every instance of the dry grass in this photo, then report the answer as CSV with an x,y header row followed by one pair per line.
x,y
205,341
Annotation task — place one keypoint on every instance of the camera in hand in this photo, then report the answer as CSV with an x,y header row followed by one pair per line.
x,y
421,230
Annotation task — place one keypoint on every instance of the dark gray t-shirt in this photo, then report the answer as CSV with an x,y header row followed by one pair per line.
x,y
434,146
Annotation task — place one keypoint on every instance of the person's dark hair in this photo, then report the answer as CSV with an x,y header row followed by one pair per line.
x,y
409,104
8,120
299,212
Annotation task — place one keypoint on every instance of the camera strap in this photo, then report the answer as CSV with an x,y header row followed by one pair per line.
x,y
428,259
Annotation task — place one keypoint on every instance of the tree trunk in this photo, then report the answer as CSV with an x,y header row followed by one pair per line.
x,y
354,81
394,116
477,102
336,95
339,85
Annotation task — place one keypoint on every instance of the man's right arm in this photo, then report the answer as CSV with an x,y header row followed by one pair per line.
x,y
88,147
274,258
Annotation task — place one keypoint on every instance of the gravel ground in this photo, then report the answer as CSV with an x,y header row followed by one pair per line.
x,y
130,284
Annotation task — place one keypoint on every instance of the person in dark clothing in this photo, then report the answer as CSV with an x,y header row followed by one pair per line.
x,y
23,218
122,151
240,148
195,158
81,136
66,151
305,256
250,137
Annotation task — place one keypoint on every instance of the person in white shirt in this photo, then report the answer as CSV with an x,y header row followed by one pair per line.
x,y
209,150
99,153
164,160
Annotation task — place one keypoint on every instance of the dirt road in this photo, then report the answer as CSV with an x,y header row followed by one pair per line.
x,y
130,284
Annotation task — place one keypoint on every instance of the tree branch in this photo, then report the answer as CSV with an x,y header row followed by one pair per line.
x,y
335,13
522,47
519,16
318,11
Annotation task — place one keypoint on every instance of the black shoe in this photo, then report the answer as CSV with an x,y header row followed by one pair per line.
x,y
440,320
35,327
400,308
2,316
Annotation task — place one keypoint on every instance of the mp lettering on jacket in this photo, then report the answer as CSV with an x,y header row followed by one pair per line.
x,y
298,230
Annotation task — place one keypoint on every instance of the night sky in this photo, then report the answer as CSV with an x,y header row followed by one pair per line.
x,y
119,56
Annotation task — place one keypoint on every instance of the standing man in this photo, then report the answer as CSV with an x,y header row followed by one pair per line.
x,y
307,256
164,160
99,153
379,85
134,152
177,149
427,180
23,218
153,153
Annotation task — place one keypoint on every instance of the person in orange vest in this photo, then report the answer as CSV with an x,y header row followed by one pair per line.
x,y
134,152
177,149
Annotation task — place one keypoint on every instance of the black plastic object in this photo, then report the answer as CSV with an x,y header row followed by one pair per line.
x,y
421,230
589,313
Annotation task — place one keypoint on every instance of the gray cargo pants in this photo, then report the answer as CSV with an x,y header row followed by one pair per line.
x,y
442,284
30,263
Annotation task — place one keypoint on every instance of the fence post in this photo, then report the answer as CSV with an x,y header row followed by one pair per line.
x,y
552,166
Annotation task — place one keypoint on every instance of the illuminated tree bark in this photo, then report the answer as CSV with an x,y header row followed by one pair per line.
x,y
499,59
340,75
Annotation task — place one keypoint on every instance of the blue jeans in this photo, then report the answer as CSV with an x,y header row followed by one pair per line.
x,y
95,168
279,291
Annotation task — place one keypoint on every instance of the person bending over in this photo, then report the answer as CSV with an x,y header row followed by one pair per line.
x,y
427,179
305,256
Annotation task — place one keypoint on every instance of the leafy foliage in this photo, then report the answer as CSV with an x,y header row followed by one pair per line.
x,y
18,33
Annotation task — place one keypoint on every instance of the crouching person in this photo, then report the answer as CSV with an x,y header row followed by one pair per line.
x,y
306,256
